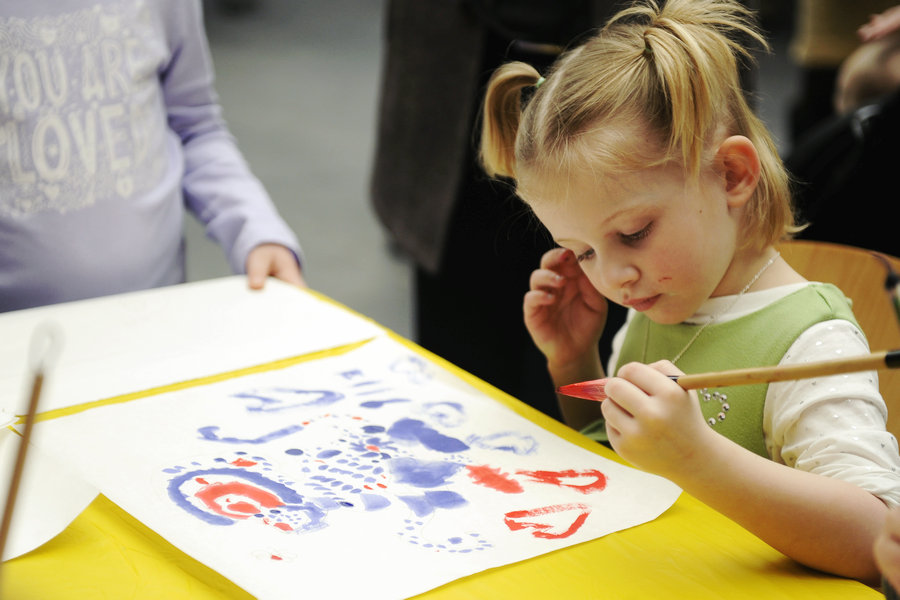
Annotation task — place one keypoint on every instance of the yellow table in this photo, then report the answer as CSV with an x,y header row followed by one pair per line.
x,y
689,552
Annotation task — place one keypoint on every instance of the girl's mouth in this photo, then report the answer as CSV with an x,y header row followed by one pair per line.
x,y
643,304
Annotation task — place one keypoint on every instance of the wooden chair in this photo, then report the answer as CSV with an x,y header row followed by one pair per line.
x,y
861,277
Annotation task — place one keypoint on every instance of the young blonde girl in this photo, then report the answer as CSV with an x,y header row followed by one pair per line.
x,y
666,195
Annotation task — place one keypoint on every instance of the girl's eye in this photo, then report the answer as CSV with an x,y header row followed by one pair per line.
x,y
637,236
586,255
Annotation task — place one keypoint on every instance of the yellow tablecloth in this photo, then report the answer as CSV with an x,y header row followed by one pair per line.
x,y
689,552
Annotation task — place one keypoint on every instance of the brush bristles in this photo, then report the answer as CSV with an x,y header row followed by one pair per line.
x,y
589,390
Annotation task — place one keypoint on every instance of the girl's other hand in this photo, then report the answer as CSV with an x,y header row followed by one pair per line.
x,y
564,313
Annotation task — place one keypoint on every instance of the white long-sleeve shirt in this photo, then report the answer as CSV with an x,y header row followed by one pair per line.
x,y
833,426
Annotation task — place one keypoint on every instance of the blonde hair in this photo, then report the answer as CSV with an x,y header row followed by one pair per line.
x,y
668,72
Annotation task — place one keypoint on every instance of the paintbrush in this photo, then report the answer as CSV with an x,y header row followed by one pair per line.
x,y
596,389
45,345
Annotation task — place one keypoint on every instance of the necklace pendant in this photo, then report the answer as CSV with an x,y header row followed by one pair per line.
x,y
722,399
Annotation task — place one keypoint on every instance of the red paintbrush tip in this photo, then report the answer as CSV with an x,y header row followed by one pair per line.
x,y
594,389
589,390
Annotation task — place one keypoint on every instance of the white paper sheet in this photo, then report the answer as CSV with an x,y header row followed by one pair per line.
x,y
137,341
355,476
49,497
133,342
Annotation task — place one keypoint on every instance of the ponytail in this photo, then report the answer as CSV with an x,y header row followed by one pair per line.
x,y
693,49
501,115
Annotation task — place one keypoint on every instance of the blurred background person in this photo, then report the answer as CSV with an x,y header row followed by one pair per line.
x,y
474,244
843,154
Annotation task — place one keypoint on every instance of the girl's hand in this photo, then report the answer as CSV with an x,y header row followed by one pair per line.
x,y
652,422
564,314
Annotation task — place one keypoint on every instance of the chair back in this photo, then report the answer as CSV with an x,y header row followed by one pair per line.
x,y
861,276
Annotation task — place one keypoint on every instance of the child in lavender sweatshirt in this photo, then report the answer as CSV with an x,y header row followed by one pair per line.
x,y
109,129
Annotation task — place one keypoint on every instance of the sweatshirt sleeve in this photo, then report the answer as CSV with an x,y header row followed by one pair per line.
x,y
218,187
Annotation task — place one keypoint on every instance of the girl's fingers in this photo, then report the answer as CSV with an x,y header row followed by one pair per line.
x,y
547,280
536,299
561,260
555,257
666,367
651,379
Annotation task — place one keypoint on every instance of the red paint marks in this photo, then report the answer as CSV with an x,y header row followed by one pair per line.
x,y
243,462
494,479
283,527
595,480
381,485
549,522
244,507
200,480
356,418
216,498
276,557
373,448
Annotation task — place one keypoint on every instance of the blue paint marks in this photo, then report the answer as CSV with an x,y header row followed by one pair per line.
x,y
415,430
424,474
415,368
380,403
445,499
209,433
372,429
425,504
374,501
278,399
447,414
327,453
418,504
506,441
294,451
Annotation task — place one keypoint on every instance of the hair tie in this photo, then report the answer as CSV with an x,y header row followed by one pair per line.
x,y
538,83
648,51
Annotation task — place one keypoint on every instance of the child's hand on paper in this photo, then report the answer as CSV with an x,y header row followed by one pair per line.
x,y
274,260
651,421
564,313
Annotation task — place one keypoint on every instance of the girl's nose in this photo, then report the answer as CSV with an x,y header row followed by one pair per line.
x,y
615,275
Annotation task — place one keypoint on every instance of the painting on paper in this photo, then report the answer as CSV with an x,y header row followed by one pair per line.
x,y
369,474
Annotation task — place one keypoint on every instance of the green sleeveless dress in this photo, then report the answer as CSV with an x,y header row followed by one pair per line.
x,y
760,338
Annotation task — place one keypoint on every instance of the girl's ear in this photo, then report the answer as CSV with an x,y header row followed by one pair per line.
x,y
739,162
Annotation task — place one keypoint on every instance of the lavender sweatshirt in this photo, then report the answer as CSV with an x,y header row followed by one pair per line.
x,y
109,129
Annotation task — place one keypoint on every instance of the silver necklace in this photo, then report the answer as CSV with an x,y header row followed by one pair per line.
x,y
716,316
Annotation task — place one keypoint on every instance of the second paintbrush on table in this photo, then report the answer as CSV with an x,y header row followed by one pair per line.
x,y
596,388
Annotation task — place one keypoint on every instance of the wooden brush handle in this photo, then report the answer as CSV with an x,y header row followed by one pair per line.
x,y
874,361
